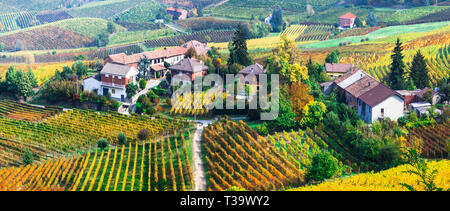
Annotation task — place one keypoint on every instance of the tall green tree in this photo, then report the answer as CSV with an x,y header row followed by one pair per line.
x,y
323,166
333,57
419,71
238,48
20,83
277,21
111,27
397,67
372,19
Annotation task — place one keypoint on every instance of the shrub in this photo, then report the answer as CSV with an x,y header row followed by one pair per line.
x,y
323,166
102,143
143,134
122,138
131,90
142,83
262,129
27,157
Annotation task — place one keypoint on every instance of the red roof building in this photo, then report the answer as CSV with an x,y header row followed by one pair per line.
x,y
176,13
347,21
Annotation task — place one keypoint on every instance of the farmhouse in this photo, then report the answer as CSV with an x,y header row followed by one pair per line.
x,y
416,96
371,99
157,59
190,67
347,21
337,70
177,14
112,79
249,75
200,48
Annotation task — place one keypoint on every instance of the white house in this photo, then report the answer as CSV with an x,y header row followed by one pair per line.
x,y
112,79
268,19
157,59
370,98
380,103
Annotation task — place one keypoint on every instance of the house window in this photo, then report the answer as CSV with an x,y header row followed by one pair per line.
x,y
113,91
382,112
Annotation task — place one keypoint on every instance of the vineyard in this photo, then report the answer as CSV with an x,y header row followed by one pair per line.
x,y
216,36
76,130
64,58
207,23
48,37
245,9
237,156
294,31
108,8
144,12
435,140
437,59
193,104
356,32
388,180
315,32
19,111
156,166
18,20
52,17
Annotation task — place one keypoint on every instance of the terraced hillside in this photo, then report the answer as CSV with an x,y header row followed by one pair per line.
x,y
156,166
71,131
48,37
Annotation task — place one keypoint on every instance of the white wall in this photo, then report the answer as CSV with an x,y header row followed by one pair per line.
x,y
393,108
174,60
90,84
117,92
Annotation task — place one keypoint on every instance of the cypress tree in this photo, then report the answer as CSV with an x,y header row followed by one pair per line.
x,y
238,49
419,71
397,75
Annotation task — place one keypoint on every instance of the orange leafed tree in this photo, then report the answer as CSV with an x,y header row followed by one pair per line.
x,y
300,96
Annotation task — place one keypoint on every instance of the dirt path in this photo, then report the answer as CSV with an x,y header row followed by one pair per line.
x,y
216,5
199,172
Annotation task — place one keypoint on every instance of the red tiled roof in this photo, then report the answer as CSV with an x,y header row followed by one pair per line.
x,y
158,67
378,94
338,68
178,9
362,86
348,16
200,48
156,54
189,65
255,69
